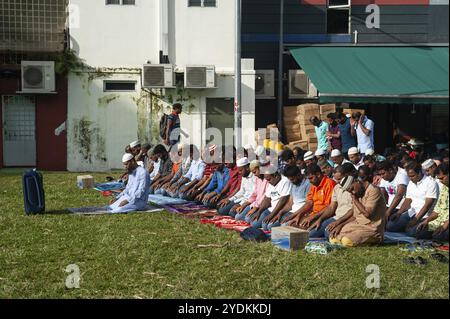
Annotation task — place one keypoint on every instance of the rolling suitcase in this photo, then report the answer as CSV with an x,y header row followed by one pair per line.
x,y
33,192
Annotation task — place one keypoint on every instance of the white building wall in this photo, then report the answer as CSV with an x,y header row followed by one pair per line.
x,y
120,39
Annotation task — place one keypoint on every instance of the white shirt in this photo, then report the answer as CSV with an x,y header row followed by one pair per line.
x,y
299,194
275,193
196,171
155,171
246,190
365,142
345,161
361,163
418,193
391,188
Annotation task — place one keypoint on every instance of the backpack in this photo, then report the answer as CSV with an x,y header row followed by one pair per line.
x,y
163,126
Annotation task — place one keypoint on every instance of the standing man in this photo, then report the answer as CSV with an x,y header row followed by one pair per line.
x,y
173,129
334,133
321,128
348,140
363,128
135,196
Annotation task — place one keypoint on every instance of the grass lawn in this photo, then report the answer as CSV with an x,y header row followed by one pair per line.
x,y
157,256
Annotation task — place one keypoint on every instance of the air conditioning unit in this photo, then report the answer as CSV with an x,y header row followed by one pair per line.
x,y
300,86
265,84
158,76
199,77
38,77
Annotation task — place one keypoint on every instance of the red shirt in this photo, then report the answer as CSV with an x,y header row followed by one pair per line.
x,y
209,170
234,182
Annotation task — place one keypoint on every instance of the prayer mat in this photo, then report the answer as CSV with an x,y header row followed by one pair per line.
x,y
92,211
112,186
160,200
187,208
398,238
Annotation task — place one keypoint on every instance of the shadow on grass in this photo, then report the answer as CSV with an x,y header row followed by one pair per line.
x,y
57,212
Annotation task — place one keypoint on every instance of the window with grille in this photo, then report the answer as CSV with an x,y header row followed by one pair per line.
x,y
32,25
338,16
121,2
202,3
119,86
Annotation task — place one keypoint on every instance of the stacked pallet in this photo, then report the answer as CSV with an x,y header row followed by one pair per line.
x,y
299,131
326,109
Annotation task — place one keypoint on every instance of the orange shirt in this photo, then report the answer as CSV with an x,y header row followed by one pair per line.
x,y
321,195
175,168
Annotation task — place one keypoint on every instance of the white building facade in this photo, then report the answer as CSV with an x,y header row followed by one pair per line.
x,y
107,106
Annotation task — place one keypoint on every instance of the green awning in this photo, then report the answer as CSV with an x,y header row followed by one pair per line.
x,y
399,75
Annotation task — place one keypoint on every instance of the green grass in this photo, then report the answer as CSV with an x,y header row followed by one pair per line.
x,y
157,256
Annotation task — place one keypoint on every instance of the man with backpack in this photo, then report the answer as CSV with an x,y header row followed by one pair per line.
x,y
170,126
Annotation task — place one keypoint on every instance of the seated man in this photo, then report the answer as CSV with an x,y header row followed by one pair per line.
x,y
326,168
430,168
165,168
231,188
276,197
218,182
255,200
299,191
393,186
193,176
209,157
421,196
135,196
355,157
435,227
341,204
337,158
181,165
228,206
287,158
364,224
318,199
309,158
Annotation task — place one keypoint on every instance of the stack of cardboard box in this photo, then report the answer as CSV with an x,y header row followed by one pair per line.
x,y
299,131
326,109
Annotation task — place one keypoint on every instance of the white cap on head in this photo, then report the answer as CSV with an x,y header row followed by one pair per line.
x,y
134,144
348,116
308,156
336,153
127,157
254,164
260,151
242,162
180,147
321,152
428,164
370,152
353,151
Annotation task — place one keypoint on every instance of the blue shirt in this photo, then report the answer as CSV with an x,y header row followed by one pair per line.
x,y
218,181
348,141
322,138
365,142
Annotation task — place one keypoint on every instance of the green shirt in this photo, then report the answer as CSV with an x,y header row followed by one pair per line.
x,y
441,209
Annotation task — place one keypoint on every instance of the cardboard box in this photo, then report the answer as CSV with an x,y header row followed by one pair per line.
x,y
309,107
85,182
290,238
313,146
308,130
302,144
327,109
312,139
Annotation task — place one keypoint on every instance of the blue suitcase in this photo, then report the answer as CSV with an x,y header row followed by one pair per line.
x,y
33,192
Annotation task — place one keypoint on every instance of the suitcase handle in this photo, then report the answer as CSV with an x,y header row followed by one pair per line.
x,y
37,187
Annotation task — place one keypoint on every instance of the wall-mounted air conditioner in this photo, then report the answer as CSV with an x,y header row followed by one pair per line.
x,y
300,86
200,77
38,77
264,84
158,76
